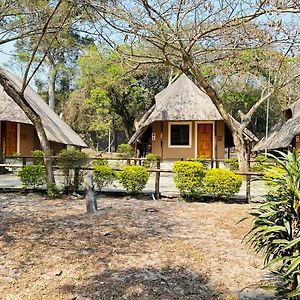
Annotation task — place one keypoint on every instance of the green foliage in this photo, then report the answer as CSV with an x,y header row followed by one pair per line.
x,y
100,162
38,157
261,163
222,183
151,160
188,176
103,176
205,160
53,191
133,178
70,160
276,227
32,176
125,150
231,163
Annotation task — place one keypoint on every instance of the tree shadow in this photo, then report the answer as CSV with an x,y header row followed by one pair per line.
x,y
144,283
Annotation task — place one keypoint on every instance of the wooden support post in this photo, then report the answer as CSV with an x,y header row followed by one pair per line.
x,y
128,162
212,163
24,161
157,179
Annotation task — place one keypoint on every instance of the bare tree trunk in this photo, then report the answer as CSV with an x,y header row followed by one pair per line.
x,y
21,101
52,80
91,203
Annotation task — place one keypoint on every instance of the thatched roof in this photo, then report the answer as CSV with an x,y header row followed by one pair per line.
x,y
283,133
56,129
180,101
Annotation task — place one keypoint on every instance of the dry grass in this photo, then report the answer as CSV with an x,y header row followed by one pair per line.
x,y
51,249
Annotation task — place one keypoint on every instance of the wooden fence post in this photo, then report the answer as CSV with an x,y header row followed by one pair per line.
x,y
157,179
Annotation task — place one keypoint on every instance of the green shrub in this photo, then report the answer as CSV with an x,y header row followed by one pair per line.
x,y
231,163
261,163
188,176
38,157
32,176
151,160
275,231
103,175
53,191
70,160
133,178
222,183
205,160
100,162
125,150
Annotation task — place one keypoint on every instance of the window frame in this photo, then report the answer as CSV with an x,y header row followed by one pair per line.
x,y
169,134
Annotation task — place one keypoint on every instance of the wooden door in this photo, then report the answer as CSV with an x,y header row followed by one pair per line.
x,y
10,138
205,140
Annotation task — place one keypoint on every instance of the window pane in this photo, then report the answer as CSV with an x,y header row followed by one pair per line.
x,y
180,135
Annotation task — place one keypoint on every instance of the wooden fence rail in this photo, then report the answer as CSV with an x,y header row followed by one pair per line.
x,y
158,170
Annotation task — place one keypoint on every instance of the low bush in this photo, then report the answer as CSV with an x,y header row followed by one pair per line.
x,y
125,150
103,176
204,160
151,160
38,157
100,162
261,163
231,164
70,160
53,191
133,178
32,176
188,176
221,183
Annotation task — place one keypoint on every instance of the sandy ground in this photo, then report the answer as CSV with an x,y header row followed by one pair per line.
x,y
131,249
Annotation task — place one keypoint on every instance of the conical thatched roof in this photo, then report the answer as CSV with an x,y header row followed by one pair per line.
x,y
283,133
56,129
181,101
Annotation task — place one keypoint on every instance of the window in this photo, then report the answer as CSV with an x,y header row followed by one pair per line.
x,y
179,134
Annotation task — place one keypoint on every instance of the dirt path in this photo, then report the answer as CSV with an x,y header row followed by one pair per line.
x,y
132,249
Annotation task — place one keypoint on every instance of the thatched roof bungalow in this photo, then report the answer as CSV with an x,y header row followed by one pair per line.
x,y
17,133
183,123
285,134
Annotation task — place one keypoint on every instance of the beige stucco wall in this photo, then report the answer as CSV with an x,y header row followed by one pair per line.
x,y
187,152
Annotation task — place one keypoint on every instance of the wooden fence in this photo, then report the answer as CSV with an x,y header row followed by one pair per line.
x,y
24,160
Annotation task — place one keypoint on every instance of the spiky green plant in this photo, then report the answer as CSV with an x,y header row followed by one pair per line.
x,y
276,227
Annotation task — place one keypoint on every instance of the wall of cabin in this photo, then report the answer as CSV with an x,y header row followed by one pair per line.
x,y
161,129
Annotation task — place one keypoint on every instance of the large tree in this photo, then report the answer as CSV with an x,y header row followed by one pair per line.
x,y
111,94
18,22
189,35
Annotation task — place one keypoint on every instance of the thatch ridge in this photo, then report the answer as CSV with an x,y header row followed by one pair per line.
x,y
56,129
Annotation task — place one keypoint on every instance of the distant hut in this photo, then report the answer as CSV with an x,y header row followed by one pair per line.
x,y
17,134
184,123
285,134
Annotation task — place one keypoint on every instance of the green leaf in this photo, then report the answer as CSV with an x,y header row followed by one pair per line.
x,y
295,263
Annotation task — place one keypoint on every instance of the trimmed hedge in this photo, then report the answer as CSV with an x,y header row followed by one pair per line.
x,y
188,177
125,150
103,175
32,176
231,163
222,183
133,178
151,160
